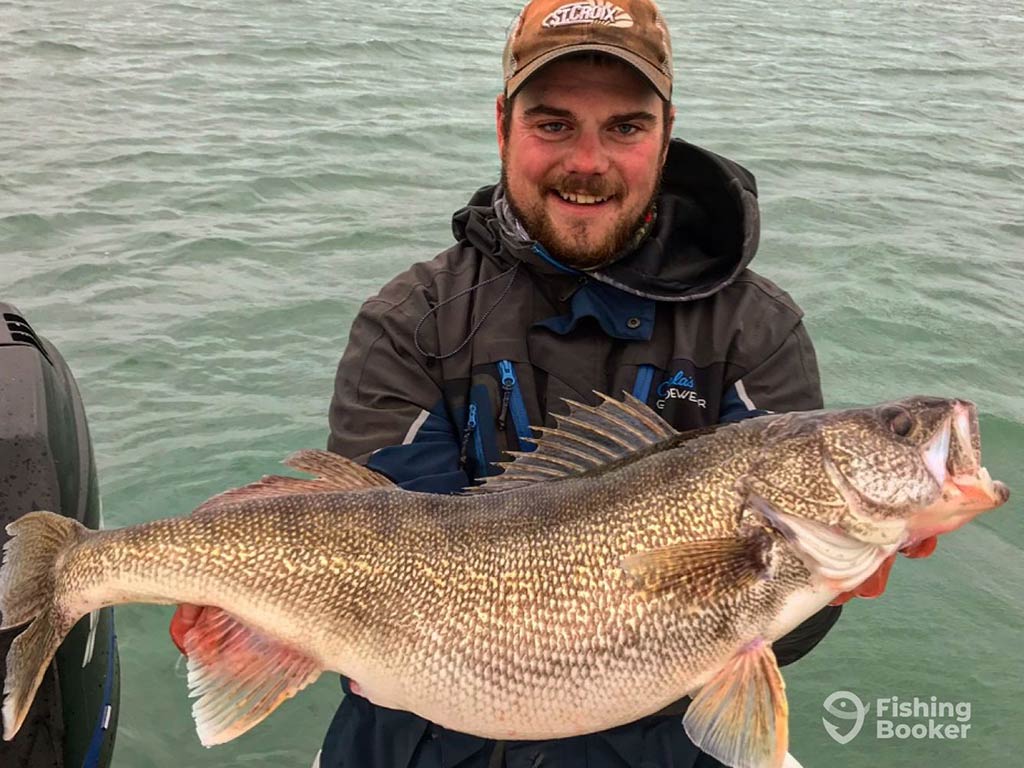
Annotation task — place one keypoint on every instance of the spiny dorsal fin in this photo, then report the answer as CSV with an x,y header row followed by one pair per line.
x,y
333,473
587,438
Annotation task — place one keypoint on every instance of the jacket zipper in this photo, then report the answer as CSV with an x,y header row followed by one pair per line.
x,y
508,382
467,433
512,404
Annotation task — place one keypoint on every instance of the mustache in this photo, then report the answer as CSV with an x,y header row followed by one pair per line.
x,y
590,184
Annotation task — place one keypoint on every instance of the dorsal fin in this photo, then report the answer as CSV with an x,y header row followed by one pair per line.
x,y
336,471
587,438
333,473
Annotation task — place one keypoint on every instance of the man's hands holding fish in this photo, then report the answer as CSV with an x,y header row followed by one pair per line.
x,y
874,585
182,621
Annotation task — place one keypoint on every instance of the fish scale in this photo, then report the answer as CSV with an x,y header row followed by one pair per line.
x,y
532,607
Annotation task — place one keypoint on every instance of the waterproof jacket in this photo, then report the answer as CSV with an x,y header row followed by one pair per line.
x,y
454,360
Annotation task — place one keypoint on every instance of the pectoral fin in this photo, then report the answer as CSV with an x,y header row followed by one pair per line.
x,y
740,717
702,566
239,675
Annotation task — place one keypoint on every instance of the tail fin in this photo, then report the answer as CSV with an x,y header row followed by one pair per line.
x,y
27,585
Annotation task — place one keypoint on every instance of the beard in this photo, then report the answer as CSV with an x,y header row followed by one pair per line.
x,y
575,248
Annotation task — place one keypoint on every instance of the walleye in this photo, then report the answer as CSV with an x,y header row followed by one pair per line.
x,y
601,577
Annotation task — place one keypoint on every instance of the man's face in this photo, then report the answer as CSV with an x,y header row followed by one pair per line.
x,y
583,157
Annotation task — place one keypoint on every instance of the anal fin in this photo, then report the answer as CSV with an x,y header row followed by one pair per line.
x,y
741,717
239,675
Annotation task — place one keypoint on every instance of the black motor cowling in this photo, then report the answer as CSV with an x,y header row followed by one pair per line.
x,y
46,462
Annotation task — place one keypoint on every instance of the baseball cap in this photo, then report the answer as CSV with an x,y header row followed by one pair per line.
x,y
631,30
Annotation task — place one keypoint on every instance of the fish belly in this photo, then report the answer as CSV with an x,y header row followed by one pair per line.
x,y
798,607
514,682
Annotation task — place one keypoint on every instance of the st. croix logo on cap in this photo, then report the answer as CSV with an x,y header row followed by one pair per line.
x,y
593,12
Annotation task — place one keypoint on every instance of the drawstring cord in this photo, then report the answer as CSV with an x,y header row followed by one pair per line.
x,y
416,334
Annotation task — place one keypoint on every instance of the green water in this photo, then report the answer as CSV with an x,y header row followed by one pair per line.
x,y
195,198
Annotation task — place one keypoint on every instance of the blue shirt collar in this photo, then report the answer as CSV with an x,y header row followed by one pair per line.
x,y
621,315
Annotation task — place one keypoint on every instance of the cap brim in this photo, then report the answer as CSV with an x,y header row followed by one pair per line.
x,y
661,82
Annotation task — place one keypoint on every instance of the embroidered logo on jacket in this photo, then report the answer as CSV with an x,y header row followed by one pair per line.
x,y
679,387
593,12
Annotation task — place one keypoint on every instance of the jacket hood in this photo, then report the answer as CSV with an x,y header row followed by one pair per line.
x,y
705,234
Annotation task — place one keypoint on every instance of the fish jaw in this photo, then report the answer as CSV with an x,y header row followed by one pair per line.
x,y
935,453
963,498
967,488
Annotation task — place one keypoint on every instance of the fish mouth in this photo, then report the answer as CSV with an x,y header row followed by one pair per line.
x,y
953,458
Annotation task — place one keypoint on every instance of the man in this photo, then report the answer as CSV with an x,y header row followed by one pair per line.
x,y
609,258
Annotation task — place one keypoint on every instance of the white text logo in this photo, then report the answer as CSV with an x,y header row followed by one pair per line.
x,y
588,13
896,718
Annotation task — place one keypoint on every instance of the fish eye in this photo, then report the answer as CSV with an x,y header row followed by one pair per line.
x,y
899,421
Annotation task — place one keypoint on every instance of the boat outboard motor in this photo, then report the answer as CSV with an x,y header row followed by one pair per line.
x,y
46,462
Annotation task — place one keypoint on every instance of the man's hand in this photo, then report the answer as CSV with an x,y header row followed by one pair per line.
x,y
874,585
187,616
182,621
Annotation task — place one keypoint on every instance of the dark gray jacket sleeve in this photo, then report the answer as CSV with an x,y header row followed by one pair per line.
x,y
786,380
387,410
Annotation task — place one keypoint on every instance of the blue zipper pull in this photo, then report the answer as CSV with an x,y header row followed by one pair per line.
x,y
467,433
512,402
508,383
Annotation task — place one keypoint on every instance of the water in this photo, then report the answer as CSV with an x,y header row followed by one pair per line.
x,y
195,199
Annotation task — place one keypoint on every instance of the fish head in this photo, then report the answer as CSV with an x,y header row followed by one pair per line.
x,y
889,475
910,469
